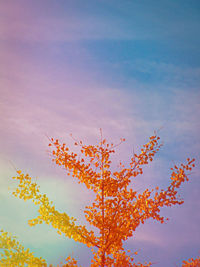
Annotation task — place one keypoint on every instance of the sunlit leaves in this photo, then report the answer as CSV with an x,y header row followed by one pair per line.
x,y
13,254
117,209
191,262
47,212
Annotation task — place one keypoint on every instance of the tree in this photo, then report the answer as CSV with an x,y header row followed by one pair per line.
x,y
117,210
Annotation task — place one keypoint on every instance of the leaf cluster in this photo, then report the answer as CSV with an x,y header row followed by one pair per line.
x,y
117,209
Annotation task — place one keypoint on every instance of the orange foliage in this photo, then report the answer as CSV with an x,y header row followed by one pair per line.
x,y
192,262
117,210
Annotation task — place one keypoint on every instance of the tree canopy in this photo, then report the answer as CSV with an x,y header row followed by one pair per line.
x,y
116,211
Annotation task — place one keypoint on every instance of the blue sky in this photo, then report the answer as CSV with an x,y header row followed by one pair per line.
x,y
129,67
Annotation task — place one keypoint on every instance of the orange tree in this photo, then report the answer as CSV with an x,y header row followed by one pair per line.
x,y
117,209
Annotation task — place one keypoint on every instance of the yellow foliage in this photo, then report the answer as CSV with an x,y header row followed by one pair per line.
x,y
117,210
13,254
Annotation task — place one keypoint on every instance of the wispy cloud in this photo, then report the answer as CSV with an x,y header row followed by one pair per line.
x,y
66,21
51,27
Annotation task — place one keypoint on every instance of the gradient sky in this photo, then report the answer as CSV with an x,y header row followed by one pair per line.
x,y
128,67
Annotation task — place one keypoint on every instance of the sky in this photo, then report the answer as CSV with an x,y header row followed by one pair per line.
x,y
128,67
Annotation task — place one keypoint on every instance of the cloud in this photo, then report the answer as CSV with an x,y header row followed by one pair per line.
x,y
38,22
44,26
